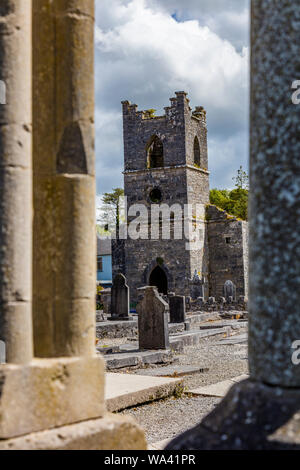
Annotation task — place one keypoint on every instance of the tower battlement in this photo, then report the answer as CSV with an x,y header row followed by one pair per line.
x,y
180,135
179,106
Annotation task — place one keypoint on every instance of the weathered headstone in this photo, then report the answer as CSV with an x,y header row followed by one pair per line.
x,y
177,309
229,290
2,352
153,320
119,299
196,286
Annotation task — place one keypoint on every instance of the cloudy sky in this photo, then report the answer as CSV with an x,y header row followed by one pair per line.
x,y
148,49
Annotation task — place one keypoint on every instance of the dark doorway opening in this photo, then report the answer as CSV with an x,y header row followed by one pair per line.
x,y
159,279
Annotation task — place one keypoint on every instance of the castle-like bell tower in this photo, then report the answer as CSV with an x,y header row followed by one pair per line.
x,y
165,163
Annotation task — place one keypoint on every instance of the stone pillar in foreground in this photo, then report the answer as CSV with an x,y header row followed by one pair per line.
x,y
261,413
15,181
57,400
275,194
64,179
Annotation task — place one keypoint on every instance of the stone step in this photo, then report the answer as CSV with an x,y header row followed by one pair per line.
x,y
125,390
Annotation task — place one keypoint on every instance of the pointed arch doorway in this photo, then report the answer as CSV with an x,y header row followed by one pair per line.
x,y
159,279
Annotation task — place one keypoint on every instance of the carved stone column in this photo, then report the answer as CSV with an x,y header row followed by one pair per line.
x,y
15,181
57,400
64,178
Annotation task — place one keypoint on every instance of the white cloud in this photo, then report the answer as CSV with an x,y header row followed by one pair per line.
x,y
144,55
228,18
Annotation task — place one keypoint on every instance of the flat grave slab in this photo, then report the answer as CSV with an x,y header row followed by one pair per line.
x,y
126,390
218,389
192,338
174,371
234,324
237,339
138,358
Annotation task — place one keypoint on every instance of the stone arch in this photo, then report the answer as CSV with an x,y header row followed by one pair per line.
x,y
150,268
197,153
159,279
155,153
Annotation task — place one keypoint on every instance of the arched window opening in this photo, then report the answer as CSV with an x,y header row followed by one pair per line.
x,y
196,152
155,153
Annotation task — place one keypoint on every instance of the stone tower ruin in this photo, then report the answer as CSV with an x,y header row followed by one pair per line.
x,y
165,170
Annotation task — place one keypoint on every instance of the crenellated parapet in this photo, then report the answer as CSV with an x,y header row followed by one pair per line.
x,y
181,130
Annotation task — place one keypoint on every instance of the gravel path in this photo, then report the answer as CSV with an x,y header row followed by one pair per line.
x,y
167,418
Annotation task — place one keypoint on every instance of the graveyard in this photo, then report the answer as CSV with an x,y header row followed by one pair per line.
x,y
172,356
195,344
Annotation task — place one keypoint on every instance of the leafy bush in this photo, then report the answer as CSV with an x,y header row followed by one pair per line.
x,y
234,202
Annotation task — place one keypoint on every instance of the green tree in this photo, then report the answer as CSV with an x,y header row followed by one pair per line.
x,y
111,209
234,202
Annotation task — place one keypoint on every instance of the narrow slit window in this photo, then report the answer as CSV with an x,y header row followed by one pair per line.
x,y
196,152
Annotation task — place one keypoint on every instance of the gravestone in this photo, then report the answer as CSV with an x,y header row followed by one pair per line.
x,y
229,290
196,286
120,299
153,320
2,352
177,309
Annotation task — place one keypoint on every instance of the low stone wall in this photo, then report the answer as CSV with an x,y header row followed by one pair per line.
x,y
116,329
212,305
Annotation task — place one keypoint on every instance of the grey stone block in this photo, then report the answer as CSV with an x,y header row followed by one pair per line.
x,y
153,321
177,309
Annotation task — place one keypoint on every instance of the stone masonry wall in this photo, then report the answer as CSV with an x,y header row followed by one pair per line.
x,y
228,258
